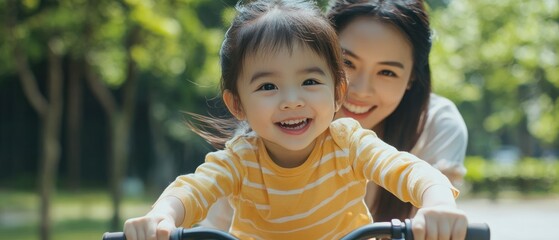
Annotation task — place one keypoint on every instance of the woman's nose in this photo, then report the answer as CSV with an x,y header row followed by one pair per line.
x,y
360,85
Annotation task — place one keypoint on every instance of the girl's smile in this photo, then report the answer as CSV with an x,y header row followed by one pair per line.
x,y
294,127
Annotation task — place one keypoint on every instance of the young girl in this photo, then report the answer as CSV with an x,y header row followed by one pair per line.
x,y
295,174
386,48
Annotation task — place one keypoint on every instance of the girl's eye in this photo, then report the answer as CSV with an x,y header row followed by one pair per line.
x,y
310,82
348,64
267,87
387,73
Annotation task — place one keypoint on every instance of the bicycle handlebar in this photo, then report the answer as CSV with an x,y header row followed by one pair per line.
x,y
402,230
182,234
394,230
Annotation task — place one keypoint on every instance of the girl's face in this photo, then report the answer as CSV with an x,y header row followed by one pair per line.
x,y
378,60
287,97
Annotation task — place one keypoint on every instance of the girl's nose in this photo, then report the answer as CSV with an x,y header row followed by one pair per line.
x,y
360,85
291,100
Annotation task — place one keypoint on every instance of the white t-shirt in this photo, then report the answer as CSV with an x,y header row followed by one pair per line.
x,y
442,144
444,138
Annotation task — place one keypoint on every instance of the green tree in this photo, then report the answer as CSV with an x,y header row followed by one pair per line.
x,y
29,41
165,52
498,59
159,42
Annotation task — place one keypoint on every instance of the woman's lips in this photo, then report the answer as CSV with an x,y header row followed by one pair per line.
x,y
357,111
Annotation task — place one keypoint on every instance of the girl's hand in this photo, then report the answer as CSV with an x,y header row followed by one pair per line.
x,y
158,223
439,222
153,226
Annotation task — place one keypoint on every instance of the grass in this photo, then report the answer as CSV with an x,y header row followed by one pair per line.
x,y
82,215
64,230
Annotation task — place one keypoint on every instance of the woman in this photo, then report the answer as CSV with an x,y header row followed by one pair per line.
x,y
386,46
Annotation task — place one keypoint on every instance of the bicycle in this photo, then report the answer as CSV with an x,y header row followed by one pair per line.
x,y
393,230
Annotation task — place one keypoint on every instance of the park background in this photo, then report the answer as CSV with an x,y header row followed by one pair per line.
x,y
93,95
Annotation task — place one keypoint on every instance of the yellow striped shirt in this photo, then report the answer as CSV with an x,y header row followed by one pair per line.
x,y
321,199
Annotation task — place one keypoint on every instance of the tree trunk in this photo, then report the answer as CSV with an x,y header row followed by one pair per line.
x,y
74,119
120,121
163,172
49,111
118,155
122,125
51,139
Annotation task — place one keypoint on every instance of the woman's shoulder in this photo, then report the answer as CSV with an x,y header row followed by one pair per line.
x,y
439,103
444,122
443,111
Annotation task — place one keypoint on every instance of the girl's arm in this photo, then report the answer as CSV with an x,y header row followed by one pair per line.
x,y
219,216
439,218
157,223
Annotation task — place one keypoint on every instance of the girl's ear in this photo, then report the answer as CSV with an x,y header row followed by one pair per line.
x,y
233,105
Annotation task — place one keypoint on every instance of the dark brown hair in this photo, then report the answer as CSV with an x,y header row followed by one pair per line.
x,y
402,127
267,26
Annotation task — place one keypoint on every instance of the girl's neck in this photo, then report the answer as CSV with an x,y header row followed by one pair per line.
x,y
288,158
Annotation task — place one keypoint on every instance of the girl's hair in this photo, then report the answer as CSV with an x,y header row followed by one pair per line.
x,y
402,127
266,27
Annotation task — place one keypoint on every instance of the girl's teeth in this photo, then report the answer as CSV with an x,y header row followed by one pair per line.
x,y
292,122
356,109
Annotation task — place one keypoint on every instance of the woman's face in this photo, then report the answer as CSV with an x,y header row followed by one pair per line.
x,y
378,62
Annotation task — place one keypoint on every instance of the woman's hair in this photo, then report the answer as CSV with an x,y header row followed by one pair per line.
x,y
402,127
266,27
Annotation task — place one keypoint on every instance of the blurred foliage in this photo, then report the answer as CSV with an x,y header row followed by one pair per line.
x,y
499,61
528,176
496,59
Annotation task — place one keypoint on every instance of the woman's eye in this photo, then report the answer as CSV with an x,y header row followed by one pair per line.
x,y
267,87
348,63
387,73
310,82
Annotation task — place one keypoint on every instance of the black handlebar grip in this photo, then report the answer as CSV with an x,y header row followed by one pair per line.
x,y
114,236
477,231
